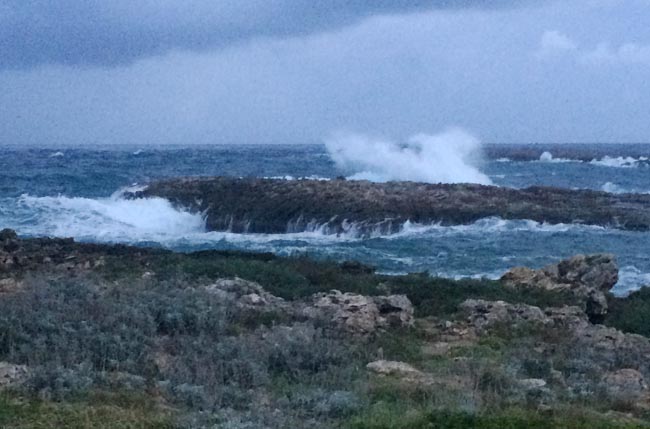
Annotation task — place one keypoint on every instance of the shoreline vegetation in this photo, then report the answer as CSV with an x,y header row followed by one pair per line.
x,y
112,336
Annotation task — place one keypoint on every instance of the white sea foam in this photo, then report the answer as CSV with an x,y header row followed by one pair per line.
x,y
613,188
57,155
548,157
449,157
620,161
630,278
113,219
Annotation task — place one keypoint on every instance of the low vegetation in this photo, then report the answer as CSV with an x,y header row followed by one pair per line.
x,y
140,342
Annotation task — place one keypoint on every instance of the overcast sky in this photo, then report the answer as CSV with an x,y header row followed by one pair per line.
x,y
296,71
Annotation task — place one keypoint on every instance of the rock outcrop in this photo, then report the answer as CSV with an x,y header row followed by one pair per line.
x,y
361,314
596,346
588,278
338,206
12,375
246,294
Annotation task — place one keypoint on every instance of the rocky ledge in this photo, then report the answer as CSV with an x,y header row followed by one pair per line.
x,y
337,206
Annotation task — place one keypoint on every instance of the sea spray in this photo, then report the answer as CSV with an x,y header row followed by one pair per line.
x,y
448,157
110,219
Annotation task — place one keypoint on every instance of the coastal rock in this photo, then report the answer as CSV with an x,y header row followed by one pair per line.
x,y
366,208
394,368
586,277
12,375
587,345
628,384
245,294
484,315
9,285
361,314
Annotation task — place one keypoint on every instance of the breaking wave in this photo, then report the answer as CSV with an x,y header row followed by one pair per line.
x,y
621,161
112,219
548,157
449,157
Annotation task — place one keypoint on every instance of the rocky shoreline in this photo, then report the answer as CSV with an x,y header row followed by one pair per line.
x,y
203,336
339,206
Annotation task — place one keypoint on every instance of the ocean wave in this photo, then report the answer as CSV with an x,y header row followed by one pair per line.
x,y
630,278
448,157
621,161
613,188
112,219
118,219
548,157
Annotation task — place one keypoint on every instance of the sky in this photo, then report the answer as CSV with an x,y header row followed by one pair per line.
x,y
297,71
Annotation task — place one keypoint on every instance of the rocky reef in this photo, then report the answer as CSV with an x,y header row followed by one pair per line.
x,y
338,206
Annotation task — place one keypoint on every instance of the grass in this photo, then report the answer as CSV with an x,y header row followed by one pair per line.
x,y
631,314
100,412
386,417
299,277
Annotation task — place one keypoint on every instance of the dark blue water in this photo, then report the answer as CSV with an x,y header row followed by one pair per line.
x,y
75,192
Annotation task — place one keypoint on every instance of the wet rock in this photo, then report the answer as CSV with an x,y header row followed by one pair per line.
x,y
12,375
361,314
7,235
365,208
586,277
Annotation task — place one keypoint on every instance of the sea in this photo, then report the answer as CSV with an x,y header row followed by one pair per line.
x,y
78,192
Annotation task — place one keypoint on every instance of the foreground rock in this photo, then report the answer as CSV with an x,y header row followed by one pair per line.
x,y
337,206
589,355
361,314
246,294
587,277
12,375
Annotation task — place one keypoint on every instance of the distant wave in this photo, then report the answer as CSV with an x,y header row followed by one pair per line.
x,y
606,161
630,278
621,162
57,155
548,157
613,188
448,157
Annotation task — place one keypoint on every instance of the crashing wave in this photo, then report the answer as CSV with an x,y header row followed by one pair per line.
x,y
449,157
548,157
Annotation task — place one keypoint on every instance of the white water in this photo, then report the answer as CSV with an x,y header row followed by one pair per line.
x,y
620,161
112,219
449,157
548,157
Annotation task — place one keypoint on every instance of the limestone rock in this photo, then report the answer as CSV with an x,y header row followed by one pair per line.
x,y
361,314
484,315
12,375
393,368
587,277
245,293
592,347
9,285
625,383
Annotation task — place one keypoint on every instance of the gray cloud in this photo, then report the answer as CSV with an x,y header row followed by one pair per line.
x,y
117,32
